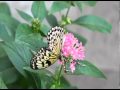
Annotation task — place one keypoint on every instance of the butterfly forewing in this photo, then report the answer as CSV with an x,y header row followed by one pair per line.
x,y
55,38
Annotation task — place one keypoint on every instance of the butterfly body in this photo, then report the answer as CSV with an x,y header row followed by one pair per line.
x,y
47,56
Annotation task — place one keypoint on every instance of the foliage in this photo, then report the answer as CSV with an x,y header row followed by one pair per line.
x,y
18,39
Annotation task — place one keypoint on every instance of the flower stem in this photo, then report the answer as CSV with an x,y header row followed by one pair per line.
x,y
67,12
59,74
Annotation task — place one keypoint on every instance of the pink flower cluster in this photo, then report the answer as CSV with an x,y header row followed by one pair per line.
x,y
72,48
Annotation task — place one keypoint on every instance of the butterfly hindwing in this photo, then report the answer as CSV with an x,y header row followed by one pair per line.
x,y
42,59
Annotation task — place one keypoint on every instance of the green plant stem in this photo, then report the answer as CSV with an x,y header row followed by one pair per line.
x,y
35,81
60,71
67,12
59,74
61,65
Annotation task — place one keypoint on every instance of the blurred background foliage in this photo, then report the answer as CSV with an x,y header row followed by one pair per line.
x,y
17,39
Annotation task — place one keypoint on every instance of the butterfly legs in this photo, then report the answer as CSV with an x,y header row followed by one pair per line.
x,y
61,58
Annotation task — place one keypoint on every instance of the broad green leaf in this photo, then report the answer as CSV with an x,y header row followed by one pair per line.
x,y
9,21
5,68
18,54
25,16
58,6
45,29
65,84
25,35
2,52
86,68
24,52
79,37
90,3
42,77
94,23
52,20
5,33
34,78
5,63
39,10
10,75
4,8
7,71
2,84
80,5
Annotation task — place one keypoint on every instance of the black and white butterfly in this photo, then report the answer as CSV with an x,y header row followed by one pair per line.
x,y
47,56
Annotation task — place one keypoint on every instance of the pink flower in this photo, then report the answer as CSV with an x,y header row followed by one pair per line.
x,y
72,66
72,47
72,50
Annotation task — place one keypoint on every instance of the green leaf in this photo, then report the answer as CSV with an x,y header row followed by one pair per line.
x,y
94,23
45,29
65,84
39,10
2,84
79,37
2,52
21,83
86,68
52,20
9,21
25,35
5,33
58,6
5,63
60,82
90,3
5,68
18,54
43,77
80,5
4,8
11,77
25,16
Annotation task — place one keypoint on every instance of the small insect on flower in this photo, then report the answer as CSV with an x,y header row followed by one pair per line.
x,y
47,56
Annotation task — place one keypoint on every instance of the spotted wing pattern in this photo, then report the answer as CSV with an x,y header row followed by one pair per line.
x,y
47,56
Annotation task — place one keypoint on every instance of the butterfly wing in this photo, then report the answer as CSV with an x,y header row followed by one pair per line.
x,y
47,56
43,59
55,39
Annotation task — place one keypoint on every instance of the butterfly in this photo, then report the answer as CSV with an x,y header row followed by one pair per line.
x,y
46,56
